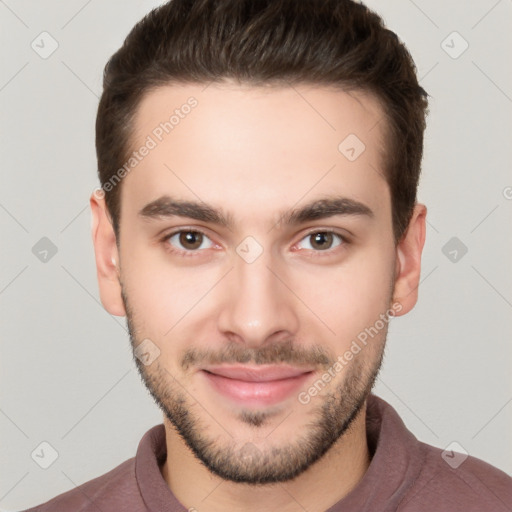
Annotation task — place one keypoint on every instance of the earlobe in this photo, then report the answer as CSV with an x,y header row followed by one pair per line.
x,y
106,256
408,261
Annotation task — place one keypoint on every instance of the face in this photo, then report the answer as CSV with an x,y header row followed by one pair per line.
x,y
257,269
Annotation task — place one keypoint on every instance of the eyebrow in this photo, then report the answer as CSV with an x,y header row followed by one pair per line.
x,y
167,207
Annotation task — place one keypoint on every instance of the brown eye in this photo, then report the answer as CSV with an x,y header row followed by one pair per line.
x,y
188,241
323,240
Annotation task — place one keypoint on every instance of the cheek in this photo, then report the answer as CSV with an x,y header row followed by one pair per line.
x,y
351,296
161,294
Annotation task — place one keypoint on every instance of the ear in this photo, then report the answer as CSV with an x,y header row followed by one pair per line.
x,y
106,255
408,261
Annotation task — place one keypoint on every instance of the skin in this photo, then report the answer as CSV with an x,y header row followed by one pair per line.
x,y
254,153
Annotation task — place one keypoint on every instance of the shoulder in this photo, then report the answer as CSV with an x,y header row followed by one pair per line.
x,y
100,493
457,482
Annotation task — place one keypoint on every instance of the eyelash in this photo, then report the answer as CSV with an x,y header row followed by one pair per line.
x,y
194,253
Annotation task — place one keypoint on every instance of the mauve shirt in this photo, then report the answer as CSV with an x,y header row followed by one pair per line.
x,y
404,475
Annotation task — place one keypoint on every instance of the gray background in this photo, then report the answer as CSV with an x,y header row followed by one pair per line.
x,y
66,372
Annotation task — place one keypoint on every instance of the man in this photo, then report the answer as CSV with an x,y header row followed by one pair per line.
x,y
258,226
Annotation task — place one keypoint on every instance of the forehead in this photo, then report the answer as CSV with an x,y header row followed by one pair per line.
x,y
323,111
240,146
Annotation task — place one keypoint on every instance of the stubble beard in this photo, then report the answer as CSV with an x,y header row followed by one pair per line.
x,y
331,415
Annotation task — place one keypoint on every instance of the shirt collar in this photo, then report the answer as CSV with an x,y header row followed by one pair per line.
x,y
396,462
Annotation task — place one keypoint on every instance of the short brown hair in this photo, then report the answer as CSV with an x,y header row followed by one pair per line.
x,y
284,42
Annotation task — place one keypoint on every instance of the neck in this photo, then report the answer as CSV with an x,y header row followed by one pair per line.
x,y
322,485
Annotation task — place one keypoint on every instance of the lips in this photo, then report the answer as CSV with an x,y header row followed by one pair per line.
x,y
263,373
262,385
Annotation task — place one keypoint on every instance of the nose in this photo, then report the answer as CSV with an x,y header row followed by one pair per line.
x,y
257,306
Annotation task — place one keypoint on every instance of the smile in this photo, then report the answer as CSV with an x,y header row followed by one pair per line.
x,y
262,385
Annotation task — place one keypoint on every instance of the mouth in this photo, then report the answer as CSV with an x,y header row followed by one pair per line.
x,y
261,385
